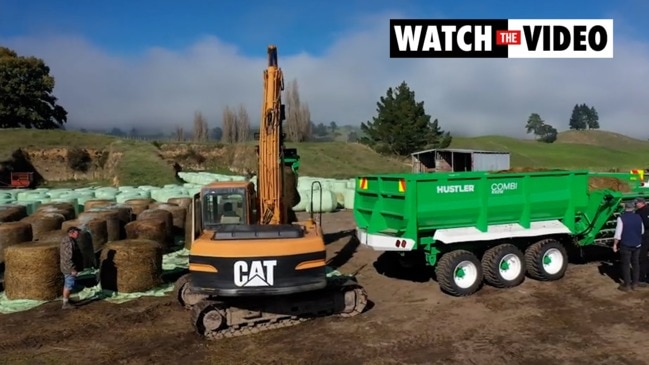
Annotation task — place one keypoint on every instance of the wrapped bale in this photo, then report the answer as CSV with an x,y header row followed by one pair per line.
x,y
110,216
139,205
178,216
163,215
92,238
42,223
32,271
181,202
12,213
129,266
65,209
148,229
96,203
13,233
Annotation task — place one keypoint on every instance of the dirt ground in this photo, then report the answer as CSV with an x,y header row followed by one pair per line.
x,y
581,319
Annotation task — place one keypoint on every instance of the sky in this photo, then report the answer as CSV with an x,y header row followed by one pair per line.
x,y
156,63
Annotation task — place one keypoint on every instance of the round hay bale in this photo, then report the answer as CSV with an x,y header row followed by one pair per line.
x,y
163,215
96,203
129,266
32,271
125,213
178,215
65,209
53,236
148,229
139,205
12,233
110,216
92,238
42,223
12,212
181,202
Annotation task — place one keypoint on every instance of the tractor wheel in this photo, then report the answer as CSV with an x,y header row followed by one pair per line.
x,y
459,273
504,266
546,260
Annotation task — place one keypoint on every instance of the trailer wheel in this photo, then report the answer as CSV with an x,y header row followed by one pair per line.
x,y
459,273
546,260
504,266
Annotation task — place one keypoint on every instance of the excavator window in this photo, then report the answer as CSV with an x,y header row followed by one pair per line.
x,y
228,207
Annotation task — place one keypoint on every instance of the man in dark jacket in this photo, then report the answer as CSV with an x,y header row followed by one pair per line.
x,y
628,237
643,210
71,263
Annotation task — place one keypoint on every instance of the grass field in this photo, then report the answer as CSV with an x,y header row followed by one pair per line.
x,y
141,162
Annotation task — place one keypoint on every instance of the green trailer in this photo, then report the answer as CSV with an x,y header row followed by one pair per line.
x,y
481,226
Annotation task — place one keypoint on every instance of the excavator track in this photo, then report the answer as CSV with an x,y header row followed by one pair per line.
x,y
218,318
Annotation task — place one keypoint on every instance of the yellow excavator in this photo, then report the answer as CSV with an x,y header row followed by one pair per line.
x,y
251,267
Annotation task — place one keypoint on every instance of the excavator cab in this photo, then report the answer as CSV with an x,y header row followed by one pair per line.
x,y
227,203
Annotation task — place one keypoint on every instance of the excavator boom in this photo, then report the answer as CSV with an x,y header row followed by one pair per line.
x,y
271,144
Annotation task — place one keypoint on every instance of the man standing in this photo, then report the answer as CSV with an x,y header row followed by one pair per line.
x,y
71,264
628,240
643,210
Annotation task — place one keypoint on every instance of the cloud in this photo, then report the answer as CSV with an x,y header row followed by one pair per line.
x,y
163,88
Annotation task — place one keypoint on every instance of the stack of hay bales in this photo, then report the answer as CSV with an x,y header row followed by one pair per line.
x,y
129,266
32,271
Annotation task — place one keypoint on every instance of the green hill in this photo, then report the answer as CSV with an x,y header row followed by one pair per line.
x,y
133,162
597,150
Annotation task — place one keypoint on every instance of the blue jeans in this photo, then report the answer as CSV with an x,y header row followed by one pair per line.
x,y
69,281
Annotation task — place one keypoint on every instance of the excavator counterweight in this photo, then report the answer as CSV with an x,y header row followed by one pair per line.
x,y
252,267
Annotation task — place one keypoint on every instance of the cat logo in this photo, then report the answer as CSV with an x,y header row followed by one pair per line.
x,y
258,273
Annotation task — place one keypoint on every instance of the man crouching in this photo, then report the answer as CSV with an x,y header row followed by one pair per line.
x,y
71,263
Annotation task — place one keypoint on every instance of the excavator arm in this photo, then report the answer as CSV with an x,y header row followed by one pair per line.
x,y
270,180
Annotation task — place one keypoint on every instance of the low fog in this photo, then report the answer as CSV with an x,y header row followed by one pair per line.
x,y
163,88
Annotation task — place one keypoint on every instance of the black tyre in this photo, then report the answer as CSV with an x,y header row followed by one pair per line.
x,y
546,260
459,273
504,266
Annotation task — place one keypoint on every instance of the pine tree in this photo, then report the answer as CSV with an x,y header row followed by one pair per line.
x,y
577,120
592,118
402,126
